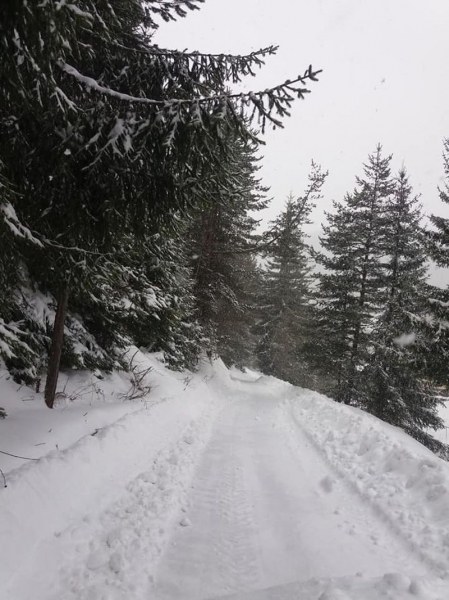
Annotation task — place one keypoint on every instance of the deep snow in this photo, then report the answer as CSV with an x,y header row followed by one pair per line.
x,y
218,484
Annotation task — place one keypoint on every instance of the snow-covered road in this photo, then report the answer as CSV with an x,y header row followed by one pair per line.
x,y
266,510
230,486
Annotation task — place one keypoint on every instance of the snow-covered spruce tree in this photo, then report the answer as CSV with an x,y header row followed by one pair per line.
x,y
438,299
222,236
143,296
440,233
20,338
104,135
392,384
352,283
335,304
284,318
160,310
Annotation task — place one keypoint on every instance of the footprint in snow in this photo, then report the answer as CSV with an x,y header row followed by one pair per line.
x,y
397,581
96,560
116,562
327,484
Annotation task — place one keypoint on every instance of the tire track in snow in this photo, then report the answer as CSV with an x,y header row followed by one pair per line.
x,y
218,554
267,510
241,502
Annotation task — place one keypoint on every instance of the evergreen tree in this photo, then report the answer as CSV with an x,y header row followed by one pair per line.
x,y
106,137
285,309
352,284
393,385
438,307
440,233
222,237
335,308
146,298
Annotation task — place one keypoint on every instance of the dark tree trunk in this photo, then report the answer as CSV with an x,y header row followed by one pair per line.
x,y
56,346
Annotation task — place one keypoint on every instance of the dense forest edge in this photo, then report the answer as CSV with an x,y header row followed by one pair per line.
x,y
130,210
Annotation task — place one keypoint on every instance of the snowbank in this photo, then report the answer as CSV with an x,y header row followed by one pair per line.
x,y
85,405
65,486
392,586
406,483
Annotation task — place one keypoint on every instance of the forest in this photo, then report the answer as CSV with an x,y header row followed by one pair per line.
x,y
131,213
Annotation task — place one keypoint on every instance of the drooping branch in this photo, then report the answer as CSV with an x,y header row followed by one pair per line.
x,y
208,66
263,104
169,10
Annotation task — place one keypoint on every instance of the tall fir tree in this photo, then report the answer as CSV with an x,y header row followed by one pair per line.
x,y
285,298
352,283
393,383
222,237
335,308
438,307
440,233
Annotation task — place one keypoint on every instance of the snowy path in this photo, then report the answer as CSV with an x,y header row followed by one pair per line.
x,y
265,510
248,489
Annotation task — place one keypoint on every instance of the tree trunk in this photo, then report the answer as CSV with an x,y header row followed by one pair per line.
x,y
56,346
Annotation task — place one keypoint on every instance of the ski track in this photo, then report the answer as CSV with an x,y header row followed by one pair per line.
x,y
244,501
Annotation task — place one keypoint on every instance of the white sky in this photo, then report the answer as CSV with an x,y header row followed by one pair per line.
x,y
385,79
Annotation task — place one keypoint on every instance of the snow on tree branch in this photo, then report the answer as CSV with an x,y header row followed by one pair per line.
x,y
13,223
263,105
170,10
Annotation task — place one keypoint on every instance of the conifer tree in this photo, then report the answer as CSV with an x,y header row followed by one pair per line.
x,y
284,303
335,309
440,234
394,387
145,298
438,305
352,284
222,237
104,135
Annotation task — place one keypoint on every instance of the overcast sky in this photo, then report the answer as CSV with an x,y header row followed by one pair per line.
x,y
385,79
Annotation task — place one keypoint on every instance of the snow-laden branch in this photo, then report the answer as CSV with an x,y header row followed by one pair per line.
x,y
439,303
170,9
278,94
256,56
13,223
20,230
92,84
207,65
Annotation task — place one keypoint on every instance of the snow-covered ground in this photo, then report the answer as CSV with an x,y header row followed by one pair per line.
x,y
216,485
